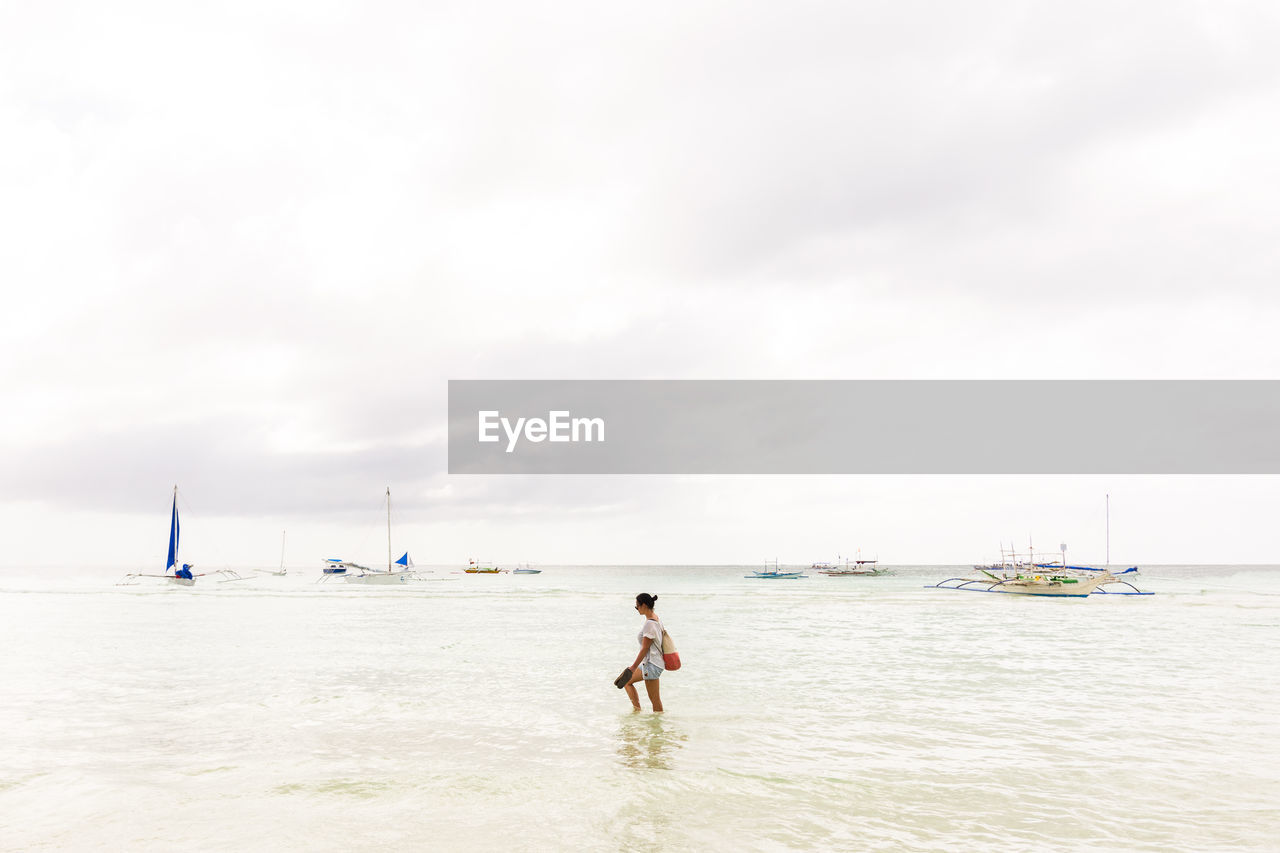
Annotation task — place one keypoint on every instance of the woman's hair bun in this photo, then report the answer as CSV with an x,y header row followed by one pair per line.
x,y
646,599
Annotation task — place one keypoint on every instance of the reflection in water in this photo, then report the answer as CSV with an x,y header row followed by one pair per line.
x,y
648,741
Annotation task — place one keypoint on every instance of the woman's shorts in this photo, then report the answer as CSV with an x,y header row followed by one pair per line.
x,y
650,671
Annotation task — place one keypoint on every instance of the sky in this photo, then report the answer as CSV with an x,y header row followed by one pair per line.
x,y
245,247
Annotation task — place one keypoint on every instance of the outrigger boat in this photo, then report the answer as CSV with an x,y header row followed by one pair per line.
x,y
1028,577
850,568
397,572
176,571
774,574
475,568
1059,585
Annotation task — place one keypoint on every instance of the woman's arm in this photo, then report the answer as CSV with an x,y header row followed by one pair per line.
x,y
644,650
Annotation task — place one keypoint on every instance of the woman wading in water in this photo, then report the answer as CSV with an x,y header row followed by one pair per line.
x,y
648,665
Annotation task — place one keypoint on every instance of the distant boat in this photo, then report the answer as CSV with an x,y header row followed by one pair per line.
x,y
176,571
526,570
182,574
1048,584
397,572
774,573
1020,574
850,568
281,571
338,566
476,568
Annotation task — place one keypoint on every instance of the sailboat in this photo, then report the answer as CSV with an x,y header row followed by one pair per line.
x,y
181,576
281,572
397,572
176,571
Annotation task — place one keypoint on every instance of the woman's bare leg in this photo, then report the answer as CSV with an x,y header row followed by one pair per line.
x,y
631,690
654,698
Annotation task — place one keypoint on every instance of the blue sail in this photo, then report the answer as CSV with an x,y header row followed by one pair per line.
x,y
173,536
404,560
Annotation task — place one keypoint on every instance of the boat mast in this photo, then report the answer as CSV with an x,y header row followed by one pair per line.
x,y
1108,528
389,564
282,533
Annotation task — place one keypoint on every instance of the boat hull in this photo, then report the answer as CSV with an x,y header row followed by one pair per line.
x,y
1042,587
1045,593
380,578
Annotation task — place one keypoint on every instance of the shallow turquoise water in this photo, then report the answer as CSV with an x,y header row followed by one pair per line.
x,y
474,712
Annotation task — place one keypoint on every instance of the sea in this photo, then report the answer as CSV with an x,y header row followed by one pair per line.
x,y
478,712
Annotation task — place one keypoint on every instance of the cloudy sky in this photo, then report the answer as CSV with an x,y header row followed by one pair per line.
x,y
245,247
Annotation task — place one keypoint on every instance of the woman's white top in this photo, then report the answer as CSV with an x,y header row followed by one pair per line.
x,y
653,630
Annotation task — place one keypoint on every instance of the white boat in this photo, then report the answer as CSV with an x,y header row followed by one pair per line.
x,y
774,574
175,571
397,572
281,571
338,566
850,568
378,576
1059,585
1027,576
526,569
